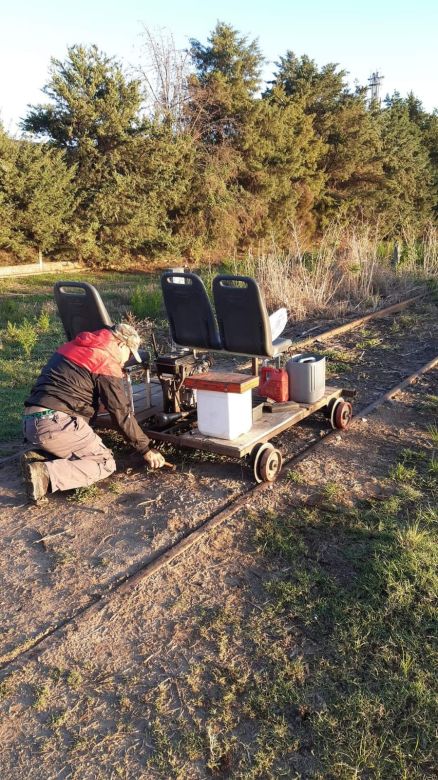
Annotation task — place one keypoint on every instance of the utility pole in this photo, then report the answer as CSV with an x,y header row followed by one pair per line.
x,y
374,82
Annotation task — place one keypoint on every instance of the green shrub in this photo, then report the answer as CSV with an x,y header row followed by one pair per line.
x,y
43,322
25,335
147,302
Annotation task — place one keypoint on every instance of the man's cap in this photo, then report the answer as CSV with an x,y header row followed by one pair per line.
x,y
128,336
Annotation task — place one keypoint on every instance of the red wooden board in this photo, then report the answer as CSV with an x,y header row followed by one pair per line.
x,y
222,382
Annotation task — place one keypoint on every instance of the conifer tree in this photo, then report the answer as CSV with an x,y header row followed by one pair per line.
x,y
427,123
407,196
221,96
280,152
93,116
321,89
6,206
226,80
215,165
256,158
350,163
36,196
124,163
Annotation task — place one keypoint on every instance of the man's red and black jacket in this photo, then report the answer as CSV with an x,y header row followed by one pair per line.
x,y
80,376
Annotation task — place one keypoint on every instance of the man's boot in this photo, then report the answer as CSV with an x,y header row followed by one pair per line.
x,y
35,474
32,455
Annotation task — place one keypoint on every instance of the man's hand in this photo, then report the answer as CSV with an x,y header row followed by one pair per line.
x,y
154,459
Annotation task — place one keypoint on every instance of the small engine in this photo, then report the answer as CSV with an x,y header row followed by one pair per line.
x,y
172,369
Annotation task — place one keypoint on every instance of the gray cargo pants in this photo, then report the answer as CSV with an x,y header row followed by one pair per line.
x,y
81,457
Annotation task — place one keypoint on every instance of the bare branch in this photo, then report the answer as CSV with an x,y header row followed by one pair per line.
x,y
165,74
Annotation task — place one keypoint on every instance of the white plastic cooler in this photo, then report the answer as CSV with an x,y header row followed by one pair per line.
x,y
224,403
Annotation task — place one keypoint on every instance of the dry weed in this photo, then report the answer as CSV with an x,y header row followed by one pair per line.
x,y
351,269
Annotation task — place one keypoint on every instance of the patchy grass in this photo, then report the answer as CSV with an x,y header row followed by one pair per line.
x,y
83,495
338,361
373,668
402,473
433,434
333,493
115,487
331,674
403,322
430,404
42,697
147,302
74,678
295,477
369,343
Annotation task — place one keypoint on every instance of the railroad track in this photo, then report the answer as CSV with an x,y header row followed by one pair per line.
x,y
30,648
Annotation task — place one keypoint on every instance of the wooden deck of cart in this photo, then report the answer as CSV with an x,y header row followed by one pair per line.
x,y
270,424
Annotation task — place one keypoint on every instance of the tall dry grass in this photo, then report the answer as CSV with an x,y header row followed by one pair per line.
x,y
351,270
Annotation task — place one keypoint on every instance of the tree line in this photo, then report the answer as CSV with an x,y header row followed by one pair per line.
x,y
197,157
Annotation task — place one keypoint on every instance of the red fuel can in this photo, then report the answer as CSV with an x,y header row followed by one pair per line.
x,y
274,383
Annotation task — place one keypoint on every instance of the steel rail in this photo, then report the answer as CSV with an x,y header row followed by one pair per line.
x,y
356,323
326,335
30,648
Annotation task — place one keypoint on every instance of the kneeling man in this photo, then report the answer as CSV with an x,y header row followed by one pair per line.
x,y
79,377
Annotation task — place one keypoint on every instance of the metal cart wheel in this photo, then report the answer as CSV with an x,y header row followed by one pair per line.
x,y
270,464
256,454
341,414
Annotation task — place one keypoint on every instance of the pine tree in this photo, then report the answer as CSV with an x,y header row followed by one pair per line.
x,y
95,117
321,90
215,166
406,197
350,162
6,205
256,158
353,162
36,196
428,125
225,83
280,152
222,93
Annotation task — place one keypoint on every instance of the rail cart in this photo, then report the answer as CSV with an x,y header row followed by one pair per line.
x,y
241,327
166,402
265,460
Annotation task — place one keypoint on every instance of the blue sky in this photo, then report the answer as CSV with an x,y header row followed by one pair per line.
x,y
397,38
